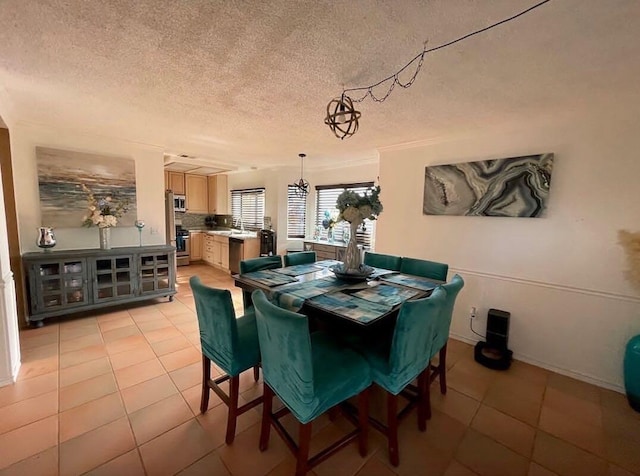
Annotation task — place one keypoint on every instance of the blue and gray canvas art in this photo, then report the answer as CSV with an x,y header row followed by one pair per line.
x,y
61,173
513,187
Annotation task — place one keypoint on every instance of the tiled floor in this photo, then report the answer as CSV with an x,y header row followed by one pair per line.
x,y
117,393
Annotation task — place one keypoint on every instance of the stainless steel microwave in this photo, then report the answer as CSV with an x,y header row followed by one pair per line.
x,y
179,203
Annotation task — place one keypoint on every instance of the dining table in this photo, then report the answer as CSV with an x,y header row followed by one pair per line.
x,y
313,289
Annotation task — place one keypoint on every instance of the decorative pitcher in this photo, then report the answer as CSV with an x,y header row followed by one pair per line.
x,y
46,238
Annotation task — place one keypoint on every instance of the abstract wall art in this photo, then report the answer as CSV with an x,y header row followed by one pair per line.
x,y
61,173
513,187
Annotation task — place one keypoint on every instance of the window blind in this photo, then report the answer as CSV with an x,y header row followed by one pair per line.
x,y
248,205
296,213
326,196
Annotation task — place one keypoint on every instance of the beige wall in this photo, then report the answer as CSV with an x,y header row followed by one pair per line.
x,y
561,277
149,185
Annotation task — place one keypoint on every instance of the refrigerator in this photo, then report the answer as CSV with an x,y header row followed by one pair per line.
x,y
170,218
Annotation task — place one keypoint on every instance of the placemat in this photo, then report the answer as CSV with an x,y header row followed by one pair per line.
x,y
292,297
299,269
410,281
350,306
269,278
327,262
385,294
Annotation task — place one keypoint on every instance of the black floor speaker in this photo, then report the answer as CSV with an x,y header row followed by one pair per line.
x,y
494,353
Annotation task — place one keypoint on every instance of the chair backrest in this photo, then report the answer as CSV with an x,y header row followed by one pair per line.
x,y
257,264
424,268
300,257
379,260
442,333
285,347
413,338
217,321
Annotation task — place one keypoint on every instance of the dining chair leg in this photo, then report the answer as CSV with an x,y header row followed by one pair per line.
x,y
304,442
423,387
363,417
256,372
392,424
442,369
267,408
234,384
427,395
206,376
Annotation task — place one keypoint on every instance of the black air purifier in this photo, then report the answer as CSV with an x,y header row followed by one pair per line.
x,y
494,353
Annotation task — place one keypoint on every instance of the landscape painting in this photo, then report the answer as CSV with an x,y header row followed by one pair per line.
x,y
513,187
61,174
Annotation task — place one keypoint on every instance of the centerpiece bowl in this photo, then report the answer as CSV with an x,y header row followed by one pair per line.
x,y
354,276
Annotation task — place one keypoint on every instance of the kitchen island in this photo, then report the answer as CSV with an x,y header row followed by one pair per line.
x,y
224,249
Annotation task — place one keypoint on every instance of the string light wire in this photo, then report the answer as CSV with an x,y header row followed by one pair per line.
x,y
421,55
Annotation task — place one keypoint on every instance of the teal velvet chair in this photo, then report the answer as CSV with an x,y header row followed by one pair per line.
x,y
378,260
310,374
424,268
452,289
257,264
229,342
300,257
395,364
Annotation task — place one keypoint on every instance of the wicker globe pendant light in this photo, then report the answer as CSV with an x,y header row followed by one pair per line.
x,y
301,187
342,117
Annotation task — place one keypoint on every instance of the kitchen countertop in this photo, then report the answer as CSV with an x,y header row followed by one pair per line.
x,y
246,235
340,244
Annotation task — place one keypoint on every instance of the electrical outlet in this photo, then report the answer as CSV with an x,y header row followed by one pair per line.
x,y
153,231
472,312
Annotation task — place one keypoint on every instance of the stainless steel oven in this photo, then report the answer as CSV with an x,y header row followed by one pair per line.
x,y
182,246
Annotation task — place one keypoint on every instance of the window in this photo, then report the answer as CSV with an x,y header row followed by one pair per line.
x,y
248,205
326,196
296,213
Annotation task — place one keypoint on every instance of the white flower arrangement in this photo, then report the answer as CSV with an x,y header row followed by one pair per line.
x,y
356,208
103,212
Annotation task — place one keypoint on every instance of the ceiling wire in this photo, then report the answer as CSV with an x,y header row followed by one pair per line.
x,y
369,89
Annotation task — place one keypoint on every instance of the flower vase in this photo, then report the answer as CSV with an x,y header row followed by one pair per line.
x,y
352,257
632,372
330,234
105,238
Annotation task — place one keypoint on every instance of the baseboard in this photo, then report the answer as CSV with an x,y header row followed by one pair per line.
x,y
569,373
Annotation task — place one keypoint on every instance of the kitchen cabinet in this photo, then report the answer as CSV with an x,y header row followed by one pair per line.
x,y
197,195
196,244
207,251
176,183
216,251
224,255
326,250
68,281
218,194
221,243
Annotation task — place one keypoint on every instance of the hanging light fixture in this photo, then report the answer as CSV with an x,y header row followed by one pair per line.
x,y
342,118
301,187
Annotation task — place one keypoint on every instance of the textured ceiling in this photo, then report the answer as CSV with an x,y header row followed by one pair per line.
x,y
247,83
